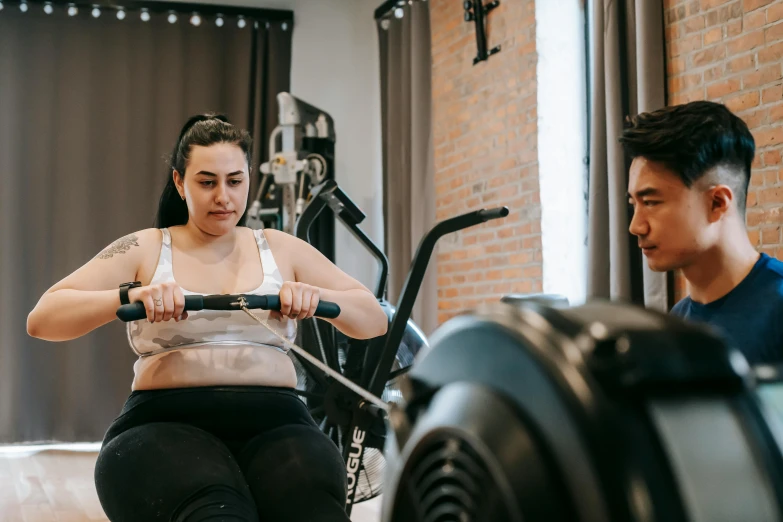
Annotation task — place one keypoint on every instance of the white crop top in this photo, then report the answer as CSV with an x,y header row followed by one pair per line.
x,y
208,329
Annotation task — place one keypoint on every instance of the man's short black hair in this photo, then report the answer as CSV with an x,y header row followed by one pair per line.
x,y
693,138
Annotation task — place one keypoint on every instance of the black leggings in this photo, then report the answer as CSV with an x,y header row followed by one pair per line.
x,y
219,454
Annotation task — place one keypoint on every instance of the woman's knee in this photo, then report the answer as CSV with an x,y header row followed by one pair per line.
x,y
170,471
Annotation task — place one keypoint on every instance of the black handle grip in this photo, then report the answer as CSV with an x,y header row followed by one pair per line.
x,y
325,309
493,213
136,311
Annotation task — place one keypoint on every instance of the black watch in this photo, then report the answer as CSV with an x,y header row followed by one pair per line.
x,y
124,287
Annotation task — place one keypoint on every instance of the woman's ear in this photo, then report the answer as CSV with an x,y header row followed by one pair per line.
x,y
179,182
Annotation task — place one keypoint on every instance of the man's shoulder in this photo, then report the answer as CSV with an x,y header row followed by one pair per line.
x,y
681,307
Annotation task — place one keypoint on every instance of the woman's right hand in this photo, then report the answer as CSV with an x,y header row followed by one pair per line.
x,y
162,302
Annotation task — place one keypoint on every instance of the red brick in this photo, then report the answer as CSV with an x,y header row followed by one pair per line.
x,y
766,74
733,28
770,235
772,94
709,55
746,42
772,157
771,196
766,137
754,20
775,13
720,89
709,4
750,5
713,35
754,237
742,102
773,33
751,200
685,45
741,63
773,53
776,114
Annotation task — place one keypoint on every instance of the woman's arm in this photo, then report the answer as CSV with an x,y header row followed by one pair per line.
x,y
89,297
361,316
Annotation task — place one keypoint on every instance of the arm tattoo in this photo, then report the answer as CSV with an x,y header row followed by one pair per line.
x,y
120,246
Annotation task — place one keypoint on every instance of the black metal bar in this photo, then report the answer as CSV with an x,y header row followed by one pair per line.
x,y
481,37
330,194
271,15
412,284
386,7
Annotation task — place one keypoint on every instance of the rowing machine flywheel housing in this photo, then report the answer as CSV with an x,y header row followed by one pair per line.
x,y
598,413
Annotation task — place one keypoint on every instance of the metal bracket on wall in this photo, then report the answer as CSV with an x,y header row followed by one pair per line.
x,y
476,11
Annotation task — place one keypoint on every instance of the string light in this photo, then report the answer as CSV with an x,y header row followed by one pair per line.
x,y
72,10
172,17
121,14
145,15
219,20
241,23
23,7
48,9
195,19
1,6
96,11
399,13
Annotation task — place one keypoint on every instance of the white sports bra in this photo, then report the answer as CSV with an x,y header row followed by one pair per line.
x,y
208,329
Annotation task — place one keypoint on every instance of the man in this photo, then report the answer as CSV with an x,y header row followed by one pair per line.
x,y
688,184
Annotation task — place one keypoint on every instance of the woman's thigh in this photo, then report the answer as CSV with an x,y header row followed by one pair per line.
x,y
295,474
171,472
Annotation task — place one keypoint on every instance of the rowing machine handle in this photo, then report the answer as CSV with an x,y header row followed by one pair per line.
x,y
136,311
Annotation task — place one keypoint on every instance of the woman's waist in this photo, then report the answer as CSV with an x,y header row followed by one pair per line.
x,y
209,365
224,410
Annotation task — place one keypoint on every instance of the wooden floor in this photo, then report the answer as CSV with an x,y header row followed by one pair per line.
x,y
57,486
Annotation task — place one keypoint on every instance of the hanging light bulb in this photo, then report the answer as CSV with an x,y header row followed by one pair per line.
x,y
219,20
121,14
195,19
72,10
96,11
1,6
399,13
241,23
145,15
172,17
48,9
284,26
23,6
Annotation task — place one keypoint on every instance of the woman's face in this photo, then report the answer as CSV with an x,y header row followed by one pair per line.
x,y
215,187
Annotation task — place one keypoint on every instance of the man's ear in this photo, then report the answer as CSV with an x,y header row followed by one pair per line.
x,y
720,198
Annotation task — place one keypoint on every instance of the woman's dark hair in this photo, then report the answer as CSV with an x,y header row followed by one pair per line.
x,y
203,130
691,139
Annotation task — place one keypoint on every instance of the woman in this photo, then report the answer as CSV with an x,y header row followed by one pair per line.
x,y
213,429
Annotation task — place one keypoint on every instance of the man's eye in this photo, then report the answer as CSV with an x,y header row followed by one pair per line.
x,y
649,203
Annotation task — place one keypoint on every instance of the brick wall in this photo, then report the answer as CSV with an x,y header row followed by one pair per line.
x,y
484,124
731,51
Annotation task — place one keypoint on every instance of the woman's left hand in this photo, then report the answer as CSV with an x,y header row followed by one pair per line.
x,y
298,300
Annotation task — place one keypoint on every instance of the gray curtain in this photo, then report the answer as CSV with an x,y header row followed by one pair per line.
x,y
88,110
627,76
408,157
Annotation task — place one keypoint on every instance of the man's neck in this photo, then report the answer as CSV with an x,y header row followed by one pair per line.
x,y
719,270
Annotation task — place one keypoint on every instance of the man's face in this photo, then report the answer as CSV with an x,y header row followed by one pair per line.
x,y
670,220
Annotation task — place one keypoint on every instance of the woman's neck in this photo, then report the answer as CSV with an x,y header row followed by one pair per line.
x,y
197,238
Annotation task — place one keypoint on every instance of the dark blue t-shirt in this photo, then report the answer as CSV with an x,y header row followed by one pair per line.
x,y
750,316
